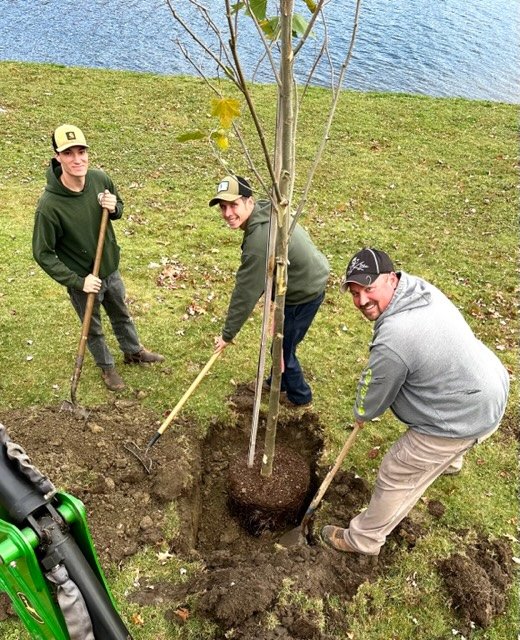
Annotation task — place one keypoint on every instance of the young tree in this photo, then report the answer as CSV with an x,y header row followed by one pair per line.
x,y
282,38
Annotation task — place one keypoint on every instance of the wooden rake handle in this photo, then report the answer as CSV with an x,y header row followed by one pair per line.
x,y
87,318
89,307
188,393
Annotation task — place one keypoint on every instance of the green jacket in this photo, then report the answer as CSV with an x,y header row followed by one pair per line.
x,y
66,228
308,270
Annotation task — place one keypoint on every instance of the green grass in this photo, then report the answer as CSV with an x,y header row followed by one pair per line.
x,y
432,181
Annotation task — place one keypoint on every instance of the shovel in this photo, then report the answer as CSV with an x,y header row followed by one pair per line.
x,y
142,456
299,534
71,405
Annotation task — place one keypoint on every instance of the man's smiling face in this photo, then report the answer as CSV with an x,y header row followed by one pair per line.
x,y
237,212
373,299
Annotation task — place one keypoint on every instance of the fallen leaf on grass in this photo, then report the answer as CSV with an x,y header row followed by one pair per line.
x,y
182,613
137,619
164,556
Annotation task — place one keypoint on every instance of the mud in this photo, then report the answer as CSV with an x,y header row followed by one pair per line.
x,y
243,575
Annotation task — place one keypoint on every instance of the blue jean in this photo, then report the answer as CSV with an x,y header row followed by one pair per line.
x,y
112,297
297,320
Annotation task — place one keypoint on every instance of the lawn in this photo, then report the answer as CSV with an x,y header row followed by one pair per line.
x,y
431,181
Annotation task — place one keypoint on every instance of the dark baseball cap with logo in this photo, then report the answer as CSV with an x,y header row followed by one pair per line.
x,y
365,267
231,188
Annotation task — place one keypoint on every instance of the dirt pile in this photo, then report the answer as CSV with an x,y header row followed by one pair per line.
x,y
245,582
478,581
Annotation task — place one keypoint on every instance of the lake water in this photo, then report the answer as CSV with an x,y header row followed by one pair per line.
x,y
443,48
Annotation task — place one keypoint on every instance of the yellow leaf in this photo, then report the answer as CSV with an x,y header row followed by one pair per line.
x,y
226,110
182,614
221,140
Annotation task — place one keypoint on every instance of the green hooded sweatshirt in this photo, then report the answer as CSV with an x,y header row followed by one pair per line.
x,y
308,270
66,228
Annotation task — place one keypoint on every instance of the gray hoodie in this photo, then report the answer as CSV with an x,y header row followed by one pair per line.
x,y
428,367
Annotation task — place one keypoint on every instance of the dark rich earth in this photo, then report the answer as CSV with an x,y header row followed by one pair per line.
x,y
243,573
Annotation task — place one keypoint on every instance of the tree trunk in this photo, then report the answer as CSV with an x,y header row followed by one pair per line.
x,y
285,149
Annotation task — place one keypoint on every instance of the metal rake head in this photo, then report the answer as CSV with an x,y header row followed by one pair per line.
x,y
142,456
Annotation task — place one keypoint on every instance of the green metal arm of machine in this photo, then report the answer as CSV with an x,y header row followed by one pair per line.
x,y
48,564
21,575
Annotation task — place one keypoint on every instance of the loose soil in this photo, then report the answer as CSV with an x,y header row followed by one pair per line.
x,y
244,567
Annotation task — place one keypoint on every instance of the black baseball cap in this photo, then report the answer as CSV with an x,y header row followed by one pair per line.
x,y
365,267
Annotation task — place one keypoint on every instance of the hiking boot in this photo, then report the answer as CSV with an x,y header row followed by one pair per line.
x,y
455,467
284,400
451,471
334,537
143,357
112,379
266,387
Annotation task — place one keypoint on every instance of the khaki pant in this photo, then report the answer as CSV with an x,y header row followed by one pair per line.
x,y
407,470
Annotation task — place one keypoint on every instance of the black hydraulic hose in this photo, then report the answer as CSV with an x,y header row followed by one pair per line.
x,y
17,494
63,549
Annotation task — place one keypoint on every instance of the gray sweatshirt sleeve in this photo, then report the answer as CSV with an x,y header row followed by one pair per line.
x,y
379,384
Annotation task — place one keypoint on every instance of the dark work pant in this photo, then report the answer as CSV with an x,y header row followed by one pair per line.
x,y
297,320
112,297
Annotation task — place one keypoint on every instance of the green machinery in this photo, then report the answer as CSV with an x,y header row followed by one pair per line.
x,y
48,563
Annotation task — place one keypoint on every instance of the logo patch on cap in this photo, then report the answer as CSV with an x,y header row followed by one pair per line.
x,y
71,135
357,265
223,186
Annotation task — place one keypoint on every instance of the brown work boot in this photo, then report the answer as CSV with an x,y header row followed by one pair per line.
x,y
284,401
334,537
112,379
143,357
251,386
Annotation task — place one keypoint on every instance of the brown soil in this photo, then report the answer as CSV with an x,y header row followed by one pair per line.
x,y
478,581
267,503
243,573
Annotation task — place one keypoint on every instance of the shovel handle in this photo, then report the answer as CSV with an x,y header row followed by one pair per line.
x,y
330,475
188,393
89,307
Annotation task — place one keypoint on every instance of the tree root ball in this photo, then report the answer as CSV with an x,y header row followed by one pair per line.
x,y
268,504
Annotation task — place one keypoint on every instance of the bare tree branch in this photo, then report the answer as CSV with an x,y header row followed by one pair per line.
x,y
325,137
267,47
245,91
308,30
197,68
324,49
200,42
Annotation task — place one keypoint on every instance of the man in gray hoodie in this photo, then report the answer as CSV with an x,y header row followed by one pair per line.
x,y
308,271
428,367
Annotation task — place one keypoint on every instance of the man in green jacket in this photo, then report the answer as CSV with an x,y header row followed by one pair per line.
x,y
308,271
65,235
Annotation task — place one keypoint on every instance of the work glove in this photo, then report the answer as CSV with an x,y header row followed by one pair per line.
x,y
107,200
